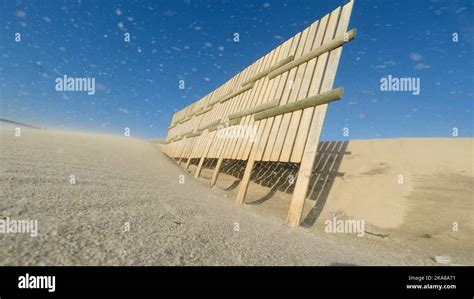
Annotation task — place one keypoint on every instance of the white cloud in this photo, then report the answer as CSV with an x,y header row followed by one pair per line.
x,y
416,56
422,66
21,14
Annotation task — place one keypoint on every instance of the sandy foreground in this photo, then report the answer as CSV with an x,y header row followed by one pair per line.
x,y
129,205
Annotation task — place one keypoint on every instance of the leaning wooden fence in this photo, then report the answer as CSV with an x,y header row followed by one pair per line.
x,y
278,104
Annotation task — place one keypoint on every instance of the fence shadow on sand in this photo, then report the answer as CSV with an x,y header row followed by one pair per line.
x,y
280,176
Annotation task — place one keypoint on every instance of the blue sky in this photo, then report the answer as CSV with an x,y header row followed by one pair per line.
x,y
137,82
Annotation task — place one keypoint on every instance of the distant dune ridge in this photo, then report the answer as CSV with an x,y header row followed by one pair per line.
x,y
411,193
6,122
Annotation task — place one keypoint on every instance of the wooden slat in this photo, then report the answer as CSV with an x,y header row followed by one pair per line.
x,y
310,150
207,142
226,108
294,80
244,102
193,134
252,101
319,99
217,100
271,57
255,109
207,109
206,126
280,84
329,46
269,70
262,95
296,43
236,93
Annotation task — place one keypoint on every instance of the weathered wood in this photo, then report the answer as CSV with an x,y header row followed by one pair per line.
x,y
202,120
252,100
225,146
288,86
224,111
208,139
269,88
181,115
335,43
245,145
297,74
222,125
216,172
218,100
187,163
204,110
255,109
207,126
281,90
185,134
236,93
184,120
310,72
244,183
199,168
194,134
269,70
309,155
316,100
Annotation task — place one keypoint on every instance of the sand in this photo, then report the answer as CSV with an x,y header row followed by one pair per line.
x,y
428,211
131,205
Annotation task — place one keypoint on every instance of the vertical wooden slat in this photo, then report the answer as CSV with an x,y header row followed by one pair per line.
x,y
309,154
259,125
273,56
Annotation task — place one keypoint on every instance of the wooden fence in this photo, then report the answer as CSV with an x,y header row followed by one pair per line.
x,y
271,111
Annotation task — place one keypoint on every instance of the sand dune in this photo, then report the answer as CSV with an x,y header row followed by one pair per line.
x,y
361,180
128,206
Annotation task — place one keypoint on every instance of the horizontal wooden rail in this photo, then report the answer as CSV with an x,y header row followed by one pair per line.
x,y
186,134
180,119
217,122
195,112
256,109
185,119
269,70
178,138
173,139
335,43
195,134
226,124
202,111
217,100
316,100
236,93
